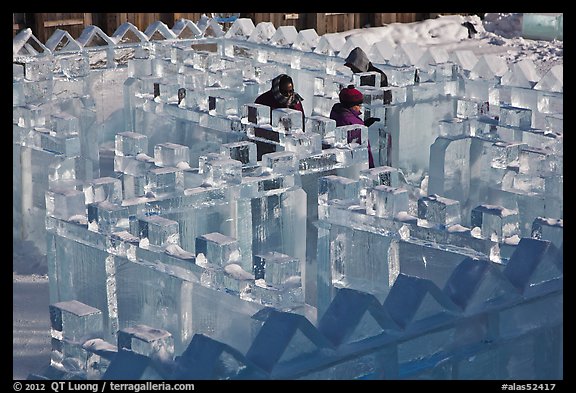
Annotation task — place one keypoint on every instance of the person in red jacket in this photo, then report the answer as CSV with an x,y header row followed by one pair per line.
x,y
281,95
347,112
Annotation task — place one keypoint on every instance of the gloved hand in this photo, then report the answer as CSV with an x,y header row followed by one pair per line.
x,y
371,120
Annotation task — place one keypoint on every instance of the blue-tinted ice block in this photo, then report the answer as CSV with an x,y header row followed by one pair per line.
x,y
385,201
134,186
372,95
99,354
147,341
303,144
222,106
73,320
243,151
369,78
543,26
467,108
222,171
275,268
170,154
162,180
232,78
108,215
218,249
68,145
256,114
104,189
130,143
287,119
495,222
551,229
334,187
39,69
66,204
320,125
384,175
355,133
439,210
453,127
64,123
515,117
281,163
158,230
534,262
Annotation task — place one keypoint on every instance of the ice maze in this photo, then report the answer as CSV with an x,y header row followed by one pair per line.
x,y
193,234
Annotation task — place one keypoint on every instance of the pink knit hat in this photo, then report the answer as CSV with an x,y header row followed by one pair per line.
x,y
350,96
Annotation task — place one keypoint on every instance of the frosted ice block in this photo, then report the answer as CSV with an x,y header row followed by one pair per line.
x,y
287,119
385,201
244,151
439,210
108,215
223,106
337,187
256,114
149,341
515,117
218,249
370,78
495,222
275,268
281,163
321,125
74,320
104,189
222,171
158,230
161,180
170,154
130,143
66,204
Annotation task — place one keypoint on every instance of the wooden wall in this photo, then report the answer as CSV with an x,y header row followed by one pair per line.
x,y
43,25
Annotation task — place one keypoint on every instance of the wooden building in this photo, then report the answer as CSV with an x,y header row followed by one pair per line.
x,y
43,25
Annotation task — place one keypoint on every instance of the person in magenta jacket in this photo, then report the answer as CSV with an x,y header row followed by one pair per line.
x,y
348,111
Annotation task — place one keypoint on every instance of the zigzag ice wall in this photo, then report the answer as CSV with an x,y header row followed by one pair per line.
x,y
193,234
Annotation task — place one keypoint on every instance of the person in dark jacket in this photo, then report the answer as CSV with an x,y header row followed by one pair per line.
x,y
348,111
281,95
357,61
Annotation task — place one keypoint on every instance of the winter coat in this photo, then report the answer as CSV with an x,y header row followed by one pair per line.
x,y
358,58
348,116
267,98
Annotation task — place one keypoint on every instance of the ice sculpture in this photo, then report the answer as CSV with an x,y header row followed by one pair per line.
x,y
193,234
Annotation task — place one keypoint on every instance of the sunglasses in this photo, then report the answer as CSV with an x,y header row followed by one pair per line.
x,y
287,92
